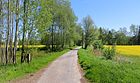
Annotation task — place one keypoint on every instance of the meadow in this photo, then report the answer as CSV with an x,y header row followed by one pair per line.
x,y
124,68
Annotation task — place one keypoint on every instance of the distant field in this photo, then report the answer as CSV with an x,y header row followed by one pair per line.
x,y
33,46
128,50
30,46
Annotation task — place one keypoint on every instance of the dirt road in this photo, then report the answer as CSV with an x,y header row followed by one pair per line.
x,y
63,70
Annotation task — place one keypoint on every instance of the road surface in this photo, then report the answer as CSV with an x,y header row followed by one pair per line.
x,y
63,70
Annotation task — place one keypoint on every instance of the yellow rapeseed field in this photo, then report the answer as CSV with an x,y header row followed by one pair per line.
x,y
33,46
128,50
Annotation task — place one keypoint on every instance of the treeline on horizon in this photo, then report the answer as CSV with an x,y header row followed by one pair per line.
x,y
120,37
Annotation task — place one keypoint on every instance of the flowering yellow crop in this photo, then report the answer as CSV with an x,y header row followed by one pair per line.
x,y
32,46
128,50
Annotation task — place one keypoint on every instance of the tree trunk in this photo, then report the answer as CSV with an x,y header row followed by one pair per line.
x,y
85,46
16,33
82,39
11,34
8,30
52,38
0,29
139,36
23,36
63,38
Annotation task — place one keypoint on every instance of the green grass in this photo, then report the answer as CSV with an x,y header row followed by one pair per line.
x,y
99,70
40,60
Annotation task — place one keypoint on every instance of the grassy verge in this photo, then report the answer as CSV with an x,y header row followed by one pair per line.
x,y
99,70
40,60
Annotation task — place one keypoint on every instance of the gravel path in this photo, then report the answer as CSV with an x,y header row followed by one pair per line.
x,y
63,70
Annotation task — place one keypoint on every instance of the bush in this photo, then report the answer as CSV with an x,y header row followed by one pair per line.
x,y
109,53
98,44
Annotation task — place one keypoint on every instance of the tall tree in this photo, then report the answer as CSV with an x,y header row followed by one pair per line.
x,y
134,33
11,30
89,30
139,36
110,38
16,32
1,23
8,31
2,31
1,19
24,30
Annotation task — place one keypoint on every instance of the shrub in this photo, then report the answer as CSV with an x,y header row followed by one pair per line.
x,y
109,53
98,44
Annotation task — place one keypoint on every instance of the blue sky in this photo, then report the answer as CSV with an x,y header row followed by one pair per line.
x,y
109,13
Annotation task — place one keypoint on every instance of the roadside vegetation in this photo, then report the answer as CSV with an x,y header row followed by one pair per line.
x,y
107,61
122,69
40,60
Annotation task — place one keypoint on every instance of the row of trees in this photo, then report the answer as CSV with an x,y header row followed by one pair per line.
x,y
8,11
30,22
93,35
121,37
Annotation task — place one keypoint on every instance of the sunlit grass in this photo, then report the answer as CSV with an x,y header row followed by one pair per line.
x,y
99,70
40,59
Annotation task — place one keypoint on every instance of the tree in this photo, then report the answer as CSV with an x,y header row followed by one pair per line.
x,y
1,29
16,32
1,21
11,30
89,30
133,30
134,33
24,30
139,36
8,31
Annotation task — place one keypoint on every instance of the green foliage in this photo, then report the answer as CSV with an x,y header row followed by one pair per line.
x,y
98,44
99,70
120,37
109,53
139,36
90,31
40,60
